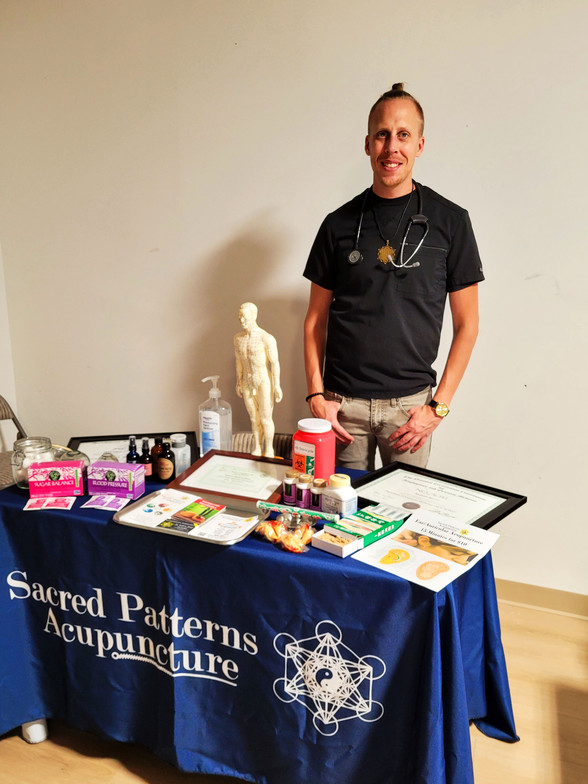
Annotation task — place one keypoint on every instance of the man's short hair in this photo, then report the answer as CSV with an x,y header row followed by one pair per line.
x,y
398,91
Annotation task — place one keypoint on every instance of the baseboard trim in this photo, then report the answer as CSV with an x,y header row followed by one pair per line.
x,y
543,598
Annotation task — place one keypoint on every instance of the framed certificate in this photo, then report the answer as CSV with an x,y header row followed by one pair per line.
x,y
411,488
234,478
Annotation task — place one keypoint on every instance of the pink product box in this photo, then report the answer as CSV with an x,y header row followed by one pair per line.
x,y
57,478
127,480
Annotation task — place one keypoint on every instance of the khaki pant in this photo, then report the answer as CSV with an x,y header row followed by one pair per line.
x,y
371,423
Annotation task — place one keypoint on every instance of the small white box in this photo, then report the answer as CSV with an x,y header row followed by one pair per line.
x,y
341,544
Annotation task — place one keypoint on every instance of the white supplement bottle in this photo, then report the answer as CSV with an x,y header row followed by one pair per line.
x,y
338,497
181,450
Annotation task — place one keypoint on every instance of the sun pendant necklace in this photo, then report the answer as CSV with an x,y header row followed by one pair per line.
x,y
387,253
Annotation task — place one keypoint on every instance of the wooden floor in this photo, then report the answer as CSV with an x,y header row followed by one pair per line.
x,y
547,657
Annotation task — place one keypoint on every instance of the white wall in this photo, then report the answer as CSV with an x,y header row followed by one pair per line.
x,y
163,161
7,390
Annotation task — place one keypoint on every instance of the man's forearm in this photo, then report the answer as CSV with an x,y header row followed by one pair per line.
x,y
315,335
464,309
457,361
314,352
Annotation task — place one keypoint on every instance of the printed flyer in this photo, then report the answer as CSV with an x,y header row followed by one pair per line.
x,y
429,550
172,511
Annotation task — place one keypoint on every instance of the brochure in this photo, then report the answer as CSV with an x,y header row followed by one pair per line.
x,y
429,549
185,514
197,512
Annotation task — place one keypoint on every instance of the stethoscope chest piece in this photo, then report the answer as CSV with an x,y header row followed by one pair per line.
x,y
354,257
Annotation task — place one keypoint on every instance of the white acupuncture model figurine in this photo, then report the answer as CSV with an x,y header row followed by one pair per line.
x,y
258,377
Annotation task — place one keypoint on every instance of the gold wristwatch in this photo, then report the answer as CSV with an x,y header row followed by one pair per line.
x,y
440,409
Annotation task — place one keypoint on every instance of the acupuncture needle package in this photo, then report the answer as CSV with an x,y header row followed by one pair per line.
x,y
359,529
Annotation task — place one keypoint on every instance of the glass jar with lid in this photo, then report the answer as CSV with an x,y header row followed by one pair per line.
x,y
35,449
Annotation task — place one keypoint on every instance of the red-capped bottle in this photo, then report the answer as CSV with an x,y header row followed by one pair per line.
x,y
313,447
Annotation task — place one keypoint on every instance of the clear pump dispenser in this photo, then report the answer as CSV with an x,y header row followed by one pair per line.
x,y
215,428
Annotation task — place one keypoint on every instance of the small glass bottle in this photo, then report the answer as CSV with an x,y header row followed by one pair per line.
x,y
132,454
166,463
146,460
155,452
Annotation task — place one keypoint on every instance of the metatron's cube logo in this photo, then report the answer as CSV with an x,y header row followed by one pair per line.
x,y
328,678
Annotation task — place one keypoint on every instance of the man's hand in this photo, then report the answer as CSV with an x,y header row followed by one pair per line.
x,y
415,432
327,409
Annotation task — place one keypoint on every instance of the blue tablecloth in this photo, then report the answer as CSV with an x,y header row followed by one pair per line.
x,y
246,660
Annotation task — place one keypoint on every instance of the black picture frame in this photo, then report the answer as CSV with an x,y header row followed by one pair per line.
x,y
75,442
510,501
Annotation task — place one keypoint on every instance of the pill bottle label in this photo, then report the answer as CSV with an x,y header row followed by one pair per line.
x,y
303,497
289,493
165,468
303,457
341,506
315,501
210,429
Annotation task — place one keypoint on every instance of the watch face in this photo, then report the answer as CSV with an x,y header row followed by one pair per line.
x,y
442,409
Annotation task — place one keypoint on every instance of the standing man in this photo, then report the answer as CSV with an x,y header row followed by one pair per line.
x,y
381,268
258,377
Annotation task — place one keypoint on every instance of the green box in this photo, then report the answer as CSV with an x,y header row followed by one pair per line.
x,y
368,525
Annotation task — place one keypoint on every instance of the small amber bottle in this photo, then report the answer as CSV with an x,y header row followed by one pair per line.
x,y
166,463
155,452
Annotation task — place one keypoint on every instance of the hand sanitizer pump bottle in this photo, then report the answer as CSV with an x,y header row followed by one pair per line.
x,y
215,421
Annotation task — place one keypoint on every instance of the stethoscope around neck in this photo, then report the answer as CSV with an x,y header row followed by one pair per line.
x,y
418,219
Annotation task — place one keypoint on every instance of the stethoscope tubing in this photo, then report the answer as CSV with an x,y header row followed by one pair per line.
x,y
355,256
